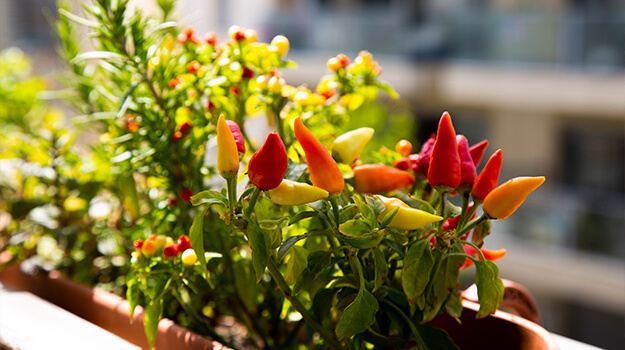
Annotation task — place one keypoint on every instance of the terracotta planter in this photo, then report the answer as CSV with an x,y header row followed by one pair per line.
x,y
105,310
503,330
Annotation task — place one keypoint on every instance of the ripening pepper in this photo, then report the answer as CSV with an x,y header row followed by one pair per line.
x,y
477,151
504,200
421,163
268,164
183,243
444,168
170,251
324,172
467,167
380,178
407,218
296,193
348,146
227,152
238,136
189,257
488,178
492,255
148,248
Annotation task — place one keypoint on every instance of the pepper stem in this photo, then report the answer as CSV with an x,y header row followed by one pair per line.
x,y
253,199
334,201
232,193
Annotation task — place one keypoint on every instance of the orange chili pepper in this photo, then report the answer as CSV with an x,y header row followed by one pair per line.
x,y
504,200
324,173
492,255
380,178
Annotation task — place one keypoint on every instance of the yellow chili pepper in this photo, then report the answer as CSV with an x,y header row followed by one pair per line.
x,y
227,152
349,145
296,193
504,200
407,218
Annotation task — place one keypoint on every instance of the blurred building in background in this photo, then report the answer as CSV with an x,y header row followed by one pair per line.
x,y
542,80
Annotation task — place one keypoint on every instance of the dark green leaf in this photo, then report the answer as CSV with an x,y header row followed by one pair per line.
x,y
358,316
284,248
389,217
355,228
415,274
367,213
381,268
132,295
301,216
453,305
348,212
435,338
294,171
261,248
376,205
244,282
317,261
365,241
196,236
489,287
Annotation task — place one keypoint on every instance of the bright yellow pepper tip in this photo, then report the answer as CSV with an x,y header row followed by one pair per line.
x,y
349,145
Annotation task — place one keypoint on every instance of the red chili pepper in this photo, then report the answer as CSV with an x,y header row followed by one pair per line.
x,y
477,151
324,172
421,163
183,243
186,194
491,255
467,168
210,38
238,136
268,164
185,126
170,251
444,168
137,244
380,178
488,178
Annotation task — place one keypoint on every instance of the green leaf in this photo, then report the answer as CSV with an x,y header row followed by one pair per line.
x,y
284,248
386,87
196,236
261,248
301,216
348,212
244,282
381,268
298,260
376,205
365,241
453,305
132,295
415,274
355,228
78,19
367,213
435,338
129,195
152,316
389,217
490,288
317,262
102,55
272,229
209,197
295,171
358,316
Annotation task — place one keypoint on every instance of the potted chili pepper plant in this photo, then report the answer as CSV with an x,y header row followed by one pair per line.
x,y
305,240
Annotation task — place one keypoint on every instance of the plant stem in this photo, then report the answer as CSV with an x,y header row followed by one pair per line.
x,y
471,225
334,201
232,193
299,307
253,200
415,332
